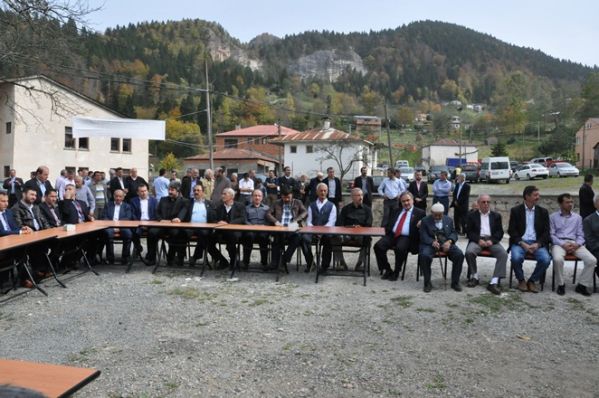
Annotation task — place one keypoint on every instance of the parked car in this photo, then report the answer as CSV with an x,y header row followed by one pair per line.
x,y
421,169
472,172
545,161
495,169
514,165
531,171
434,172
376,181
563,169
402,163
407,173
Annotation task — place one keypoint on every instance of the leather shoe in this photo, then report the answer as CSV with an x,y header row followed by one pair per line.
x,y
387,274
456,286
561,290
522,286
322,271
472,282
532,287
427,287
394,277
582,290
493,289
27,284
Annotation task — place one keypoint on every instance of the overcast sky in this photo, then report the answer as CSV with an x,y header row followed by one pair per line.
x,y
563,29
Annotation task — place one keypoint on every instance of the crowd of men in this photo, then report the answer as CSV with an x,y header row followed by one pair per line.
x,y
216,198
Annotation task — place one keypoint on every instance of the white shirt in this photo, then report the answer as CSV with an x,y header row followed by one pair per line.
x,y
245,184
161,187
405,229
117,210
485,226
143,204
332,187
4,223
332,217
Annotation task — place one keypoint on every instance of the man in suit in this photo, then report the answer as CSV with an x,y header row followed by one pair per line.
x,y
312,191
460,203
366,184
419,190
289,181
567,237
228,212
73,211
322,212
485,231
590,226
50,210
118,210
285,211
255,214
132,181
200,210
40,183
189,182
117,182
334,187
401,236
172,208
143,207
8,225
438,235
529,234
355,214
586,196
220,183
13,186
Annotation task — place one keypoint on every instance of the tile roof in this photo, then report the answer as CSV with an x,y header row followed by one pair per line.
x,y
233,153
259,130
316,135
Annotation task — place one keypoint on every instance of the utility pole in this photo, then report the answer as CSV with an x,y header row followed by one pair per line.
x,y
280,168
209,117
391,164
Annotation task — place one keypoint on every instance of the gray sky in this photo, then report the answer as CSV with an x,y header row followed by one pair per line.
x,y
563,29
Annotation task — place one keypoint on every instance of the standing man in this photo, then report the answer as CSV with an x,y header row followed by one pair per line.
x,y
116,210
586,196
161,185
567,237
227,212
441,190
100,192
312,191
208,182
438,235
255,214
529,233
13,186
143,207
322,212
189,182
69,179
220,184
246,189
334,187
272,188
286,179
419,190
485,231
401,236
460,203
132,181
366,184
117,182
83,193
390,189
40,183
200,210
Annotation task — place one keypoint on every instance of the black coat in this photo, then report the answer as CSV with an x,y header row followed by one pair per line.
x,y
45,210
23,217
462,202
417,215
369,184
585,196
68,211
473,226
427,230
169,209
517,225
34,184
114,184
421,193
131,186
235,216
312,189
18,186
186,186
337,198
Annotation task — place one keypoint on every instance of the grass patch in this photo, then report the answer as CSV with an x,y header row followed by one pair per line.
x,y
438,383
575,304
403,301
492,304
156,282
423,309
258,302
185,292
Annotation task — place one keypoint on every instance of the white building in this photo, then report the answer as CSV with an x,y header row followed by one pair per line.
x,y
315,150
437,154
36,129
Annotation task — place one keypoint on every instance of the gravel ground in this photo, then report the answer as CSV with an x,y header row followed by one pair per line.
x,y
174,334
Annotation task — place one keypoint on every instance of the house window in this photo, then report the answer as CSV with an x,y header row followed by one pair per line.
x,y
127,145
8,127
293,149
309,149
6,171
577,140
230,143
115,144
69,141
578,157
84,143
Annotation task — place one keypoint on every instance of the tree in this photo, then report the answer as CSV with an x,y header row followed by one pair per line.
x,y
344,154
590,98
170,162
499,149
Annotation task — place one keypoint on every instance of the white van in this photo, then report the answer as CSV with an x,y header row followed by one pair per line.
x,y
402,163
496,169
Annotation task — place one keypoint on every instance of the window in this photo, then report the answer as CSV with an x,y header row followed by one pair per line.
x,y
309,149
84,143
8,127
69,141
230,143
577,140
6,171
115,144
293,149
127,145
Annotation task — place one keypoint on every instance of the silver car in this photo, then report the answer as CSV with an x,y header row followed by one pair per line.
x,y
563,169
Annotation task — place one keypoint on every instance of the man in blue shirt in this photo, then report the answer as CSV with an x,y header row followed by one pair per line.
x,y
390,189
161,185
201,210
441,191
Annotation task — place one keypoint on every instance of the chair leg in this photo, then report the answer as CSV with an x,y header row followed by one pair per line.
x,y
403,271
574,275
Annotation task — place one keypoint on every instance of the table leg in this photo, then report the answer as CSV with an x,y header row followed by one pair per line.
x,y
317,258
31,278
53,271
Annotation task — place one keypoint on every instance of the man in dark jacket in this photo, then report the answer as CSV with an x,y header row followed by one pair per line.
x,y
485,231
8,225
118,210
73,211
401,236
50,210
227,212
460,203
172,208
14,187
585,197
366,184
419,189
143,207
529,232
189,182
334,185
132,181
40,183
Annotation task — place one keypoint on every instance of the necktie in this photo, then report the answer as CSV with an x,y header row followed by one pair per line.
x,y
5,221
36,224
79,211
402,220
55,216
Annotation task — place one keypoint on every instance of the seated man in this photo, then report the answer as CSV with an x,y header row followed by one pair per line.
x,y
529,234
485,231
8,225
143,207
255,214
401,236
283,212
355,214
322,212
438,235
228,212
73,211
117,209
200,210
567,237
50,210
171,208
